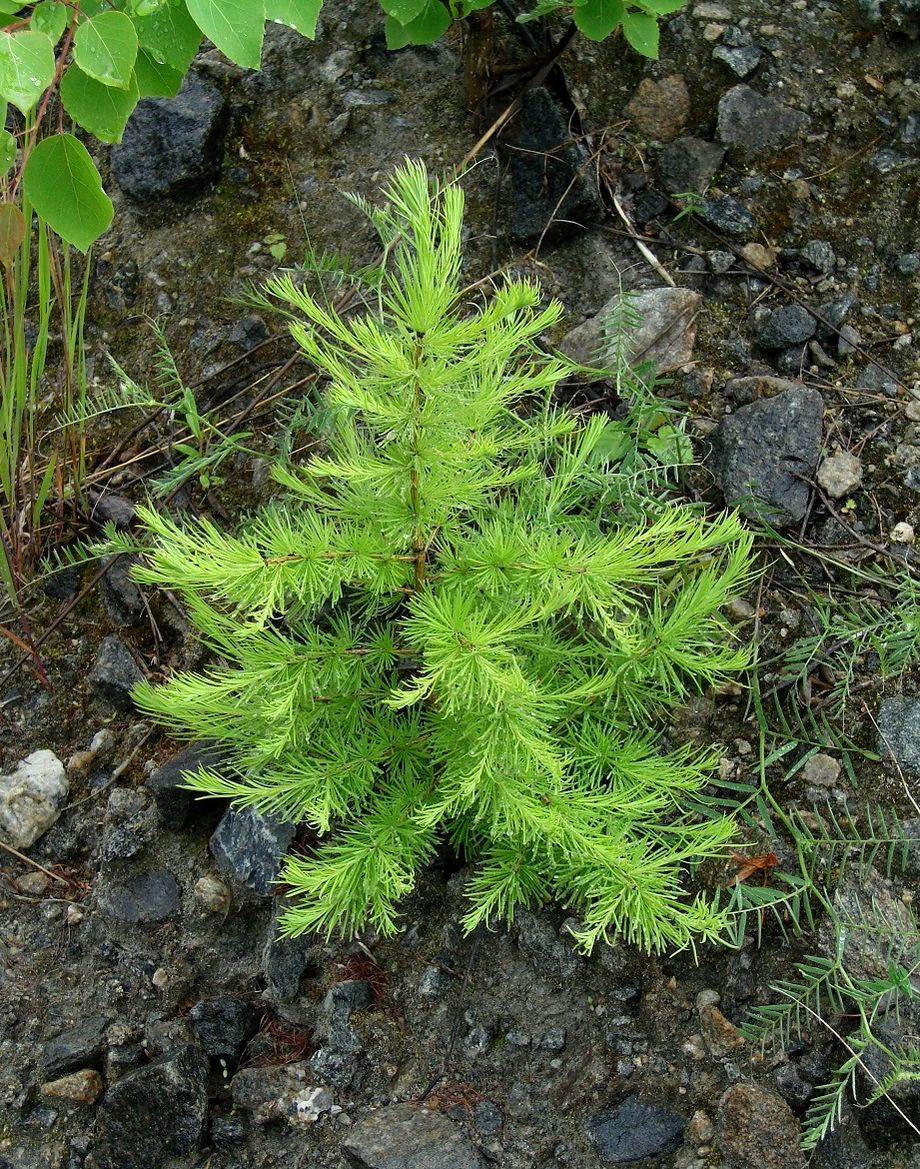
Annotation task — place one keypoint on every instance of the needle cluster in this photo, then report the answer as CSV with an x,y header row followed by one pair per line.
x,y
437,635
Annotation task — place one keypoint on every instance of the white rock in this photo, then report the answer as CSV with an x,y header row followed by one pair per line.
x,y
840,474
665,335
903,534
31,798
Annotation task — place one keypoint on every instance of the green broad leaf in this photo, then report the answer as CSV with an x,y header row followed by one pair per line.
x,y
641,30
146,7
26,67
105,48
403,11
101,109
169,35
430,24
235,26
543,8
154,79
661,7
50,18
598,18
461,8
9,7
8,149
12,232
63,185
299,14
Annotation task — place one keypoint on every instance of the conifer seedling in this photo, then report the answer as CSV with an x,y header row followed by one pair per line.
x,y
441,634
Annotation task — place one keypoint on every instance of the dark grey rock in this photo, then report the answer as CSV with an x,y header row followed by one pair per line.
x,y
121,597
224,1026
899,732
173,802
130,825
337,1061
888,161
834,313
754,121
789,325
550,186
633,1130
114,673
173,146
143,899
280,1093
487,1117
908,264
554,956
250,847
688,164
726,214
792,1087
80,1046
741,59
819,254
228,1131
757,1127
153,1112
406,1136
763,454
285,961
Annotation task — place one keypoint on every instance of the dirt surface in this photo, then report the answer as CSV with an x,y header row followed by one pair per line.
x,y
148,1015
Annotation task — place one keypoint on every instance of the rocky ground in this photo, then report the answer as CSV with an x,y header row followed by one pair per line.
x,y
149,1015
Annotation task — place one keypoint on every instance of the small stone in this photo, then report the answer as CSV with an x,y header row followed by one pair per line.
x,y
659,109
764,453
757,1127
726,214
158,1110
174,802
665,336
32,798
80,1044
250,847
224,1026
281,1093
173,146
553,196
633,1130
160,978
741,610
74,914
759,255
903,533
142,899
741,59
848,340
688,164
784,327
721,1036
719,262
899,732
405,1136
819,254
753,121
840,474
114,673
908,264
822,770
33,883
82,1087
212,894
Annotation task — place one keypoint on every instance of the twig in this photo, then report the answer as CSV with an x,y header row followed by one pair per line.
x,y
35,865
